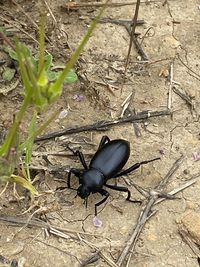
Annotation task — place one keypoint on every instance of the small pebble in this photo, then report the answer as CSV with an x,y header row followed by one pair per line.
x,y
196,155
79,98
63,114
97,222
162,151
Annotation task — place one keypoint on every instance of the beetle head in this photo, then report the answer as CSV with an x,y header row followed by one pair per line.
x,y
83,191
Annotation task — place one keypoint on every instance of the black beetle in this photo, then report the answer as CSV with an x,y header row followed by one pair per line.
x,y
106,163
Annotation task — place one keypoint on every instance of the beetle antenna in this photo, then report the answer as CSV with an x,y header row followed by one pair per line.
x,y
72,188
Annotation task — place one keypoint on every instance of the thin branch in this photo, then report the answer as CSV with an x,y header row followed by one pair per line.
x,y
173,169
189,241
103,256
26,15
145,213
185,97
132,34
73,5
185,65
90,259
170,86
102,125
7,40
180,188
41,224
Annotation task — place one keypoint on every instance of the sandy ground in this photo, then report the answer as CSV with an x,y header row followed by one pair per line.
x,y
170,38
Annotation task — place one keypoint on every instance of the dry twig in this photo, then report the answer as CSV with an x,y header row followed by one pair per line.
x,y
185,97
189,241
104,125
132,34
4,189
169,105
41,224
145,214
26,15
102,255
74,5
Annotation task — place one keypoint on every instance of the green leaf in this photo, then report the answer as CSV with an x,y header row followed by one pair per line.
x,y
25,183
12,53
71,77
8,74
52,75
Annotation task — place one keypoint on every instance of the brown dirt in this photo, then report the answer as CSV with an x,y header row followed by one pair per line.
x,y
174,33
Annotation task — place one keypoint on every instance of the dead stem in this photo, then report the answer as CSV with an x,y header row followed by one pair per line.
x,y
197,76
7,40
73,5
145,213
169,105
41,224
26,15
50,11
20,29
4,189
102,255
189,241
104,125
90,259
185,97
134,24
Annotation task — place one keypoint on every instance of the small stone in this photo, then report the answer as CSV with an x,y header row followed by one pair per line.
x,y
97,222
191,222
21,262
63,114
196,155
191,92
152,237
191,205
164,73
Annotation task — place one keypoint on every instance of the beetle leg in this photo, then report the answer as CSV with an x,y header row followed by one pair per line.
x,y
122,189
134,167
80,155
103,193
82,159
85,202
105,139
76,172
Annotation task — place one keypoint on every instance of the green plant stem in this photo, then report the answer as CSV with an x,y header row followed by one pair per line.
x,y
5,149
47,122
42,43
